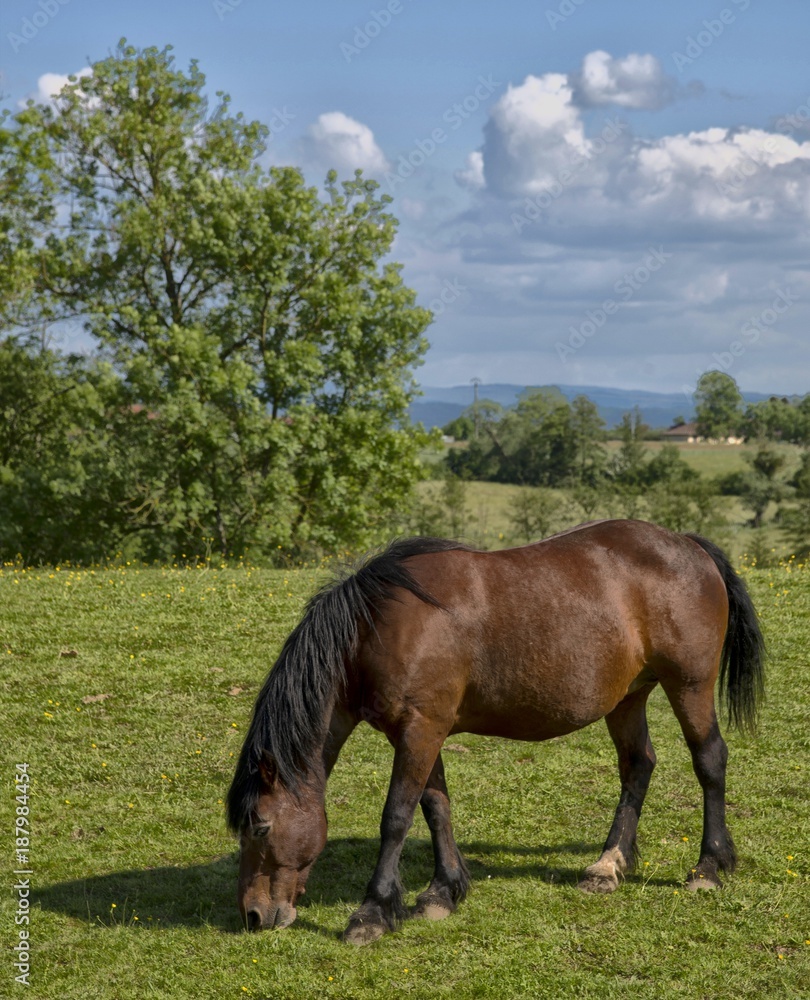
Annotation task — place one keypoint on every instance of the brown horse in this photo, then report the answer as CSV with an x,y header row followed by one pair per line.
x,y
432,638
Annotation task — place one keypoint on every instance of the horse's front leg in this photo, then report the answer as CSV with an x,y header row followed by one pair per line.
x,y
383,908
450,878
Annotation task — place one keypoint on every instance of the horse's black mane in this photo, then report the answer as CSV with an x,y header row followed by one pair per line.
x,y
292,709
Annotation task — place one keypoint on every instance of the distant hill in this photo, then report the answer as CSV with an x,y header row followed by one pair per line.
x,y
438,406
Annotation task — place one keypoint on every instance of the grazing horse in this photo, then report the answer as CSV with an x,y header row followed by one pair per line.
x,y
432,638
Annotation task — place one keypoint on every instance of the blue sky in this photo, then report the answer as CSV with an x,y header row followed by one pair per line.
x,y
601,192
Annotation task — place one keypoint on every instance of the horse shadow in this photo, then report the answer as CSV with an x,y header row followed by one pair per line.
x,y
205,894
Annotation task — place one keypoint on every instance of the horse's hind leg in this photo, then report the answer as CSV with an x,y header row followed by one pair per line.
x,y
450,878
694,708
627,724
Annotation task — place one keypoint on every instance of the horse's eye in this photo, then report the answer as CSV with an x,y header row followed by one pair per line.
x,y
261,831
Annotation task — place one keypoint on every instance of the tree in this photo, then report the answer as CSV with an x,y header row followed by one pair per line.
x,y
718,404
669,466
536,441
778,419
628,467
253,319
588,429
63,429
759,486
481,415
686,505
795,520
461,427
532,512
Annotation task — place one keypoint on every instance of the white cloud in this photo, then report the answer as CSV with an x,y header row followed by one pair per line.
x,y
534,131
746,176
636,81
49,85
337,141
536,146
472,176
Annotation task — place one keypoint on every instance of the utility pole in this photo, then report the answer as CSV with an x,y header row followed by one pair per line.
x,y
476,382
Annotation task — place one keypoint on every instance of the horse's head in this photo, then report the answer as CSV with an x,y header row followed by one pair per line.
x,y
279,843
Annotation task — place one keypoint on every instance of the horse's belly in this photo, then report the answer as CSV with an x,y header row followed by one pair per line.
x,y
532,729
539,705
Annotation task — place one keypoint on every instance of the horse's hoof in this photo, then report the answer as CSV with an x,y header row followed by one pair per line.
x,y
596,883
700,882
432,906
360,933
431,910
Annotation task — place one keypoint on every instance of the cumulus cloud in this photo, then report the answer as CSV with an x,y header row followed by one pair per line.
x,y
49,85
536,146
747,176
337,141
534,130
636,81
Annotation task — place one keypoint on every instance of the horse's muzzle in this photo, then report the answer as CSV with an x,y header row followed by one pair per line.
x,y
278,917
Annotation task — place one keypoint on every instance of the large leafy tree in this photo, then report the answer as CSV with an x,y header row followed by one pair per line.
x,y
718,405
537,441
251,318
778,419
69,464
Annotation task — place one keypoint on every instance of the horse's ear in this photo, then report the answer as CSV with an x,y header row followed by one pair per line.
x,y
267,769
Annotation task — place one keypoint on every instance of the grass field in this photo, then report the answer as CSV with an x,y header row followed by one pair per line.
x,y
127,691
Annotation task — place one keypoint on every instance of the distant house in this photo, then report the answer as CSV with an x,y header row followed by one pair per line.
x,y
682,434
687,434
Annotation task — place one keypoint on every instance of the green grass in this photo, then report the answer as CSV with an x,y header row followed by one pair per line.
x,y
712,460
135,874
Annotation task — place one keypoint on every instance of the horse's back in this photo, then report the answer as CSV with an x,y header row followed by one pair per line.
x,y
537,641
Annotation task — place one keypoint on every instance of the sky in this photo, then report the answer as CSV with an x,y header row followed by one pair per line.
x,y
590,192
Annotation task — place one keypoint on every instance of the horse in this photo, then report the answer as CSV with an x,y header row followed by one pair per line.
x,y
432,637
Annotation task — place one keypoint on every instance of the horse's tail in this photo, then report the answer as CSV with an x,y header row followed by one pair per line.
x,y
742,668
292,709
